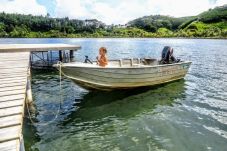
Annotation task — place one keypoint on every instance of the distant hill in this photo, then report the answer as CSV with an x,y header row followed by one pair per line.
x,y
217,14
154,22
18,25
209,24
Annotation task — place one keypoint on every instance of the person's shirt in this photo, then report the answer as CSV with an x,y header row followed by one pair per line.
x,y
103,61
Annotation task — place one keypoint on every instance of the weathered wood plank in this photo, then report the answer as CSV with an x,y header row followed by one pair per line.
x,y
14,58
13,62
8,93
17,102
10,121
12,75
12,97
12,145
36,47
15,70
13,81
10,64
12,84
18,55
13,54
10,133
3,89
11,111
14,67
13,78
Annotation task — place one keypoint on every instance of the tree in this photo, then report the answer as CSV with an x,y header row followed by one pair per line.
x,y
150,28
22,31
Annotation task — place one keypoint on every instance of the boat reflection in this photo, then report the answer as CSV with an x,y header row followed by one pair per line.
x,y
125,103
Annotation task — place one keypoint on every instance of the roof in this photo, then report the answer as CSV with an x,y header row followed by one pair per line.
x,y
36,47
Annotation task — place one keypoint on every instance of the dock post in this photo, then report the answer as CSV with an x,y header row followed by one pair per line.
x,y
28,88
51,59
60,55
71,55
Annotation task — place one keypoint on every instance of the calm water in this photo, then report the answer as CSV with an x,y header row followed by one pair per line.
x,y
186,115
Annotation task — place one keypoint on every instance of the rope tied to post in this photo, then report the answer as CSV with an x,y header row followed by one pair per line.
x,y
59,64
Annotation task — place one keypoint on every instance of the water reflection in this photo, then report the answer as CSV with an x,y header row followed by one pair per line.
x,y
90,111
125,103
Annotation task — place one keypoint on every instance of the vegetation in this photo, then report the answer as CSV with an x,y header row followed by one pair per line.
x,y
210,24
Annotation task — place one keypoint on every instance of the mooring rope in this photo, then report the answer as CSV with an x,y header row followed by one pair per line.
x,y
60,102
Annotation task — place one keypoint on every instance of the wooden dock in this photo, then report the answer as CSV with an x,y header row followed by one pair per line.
x,y
14,79
13,82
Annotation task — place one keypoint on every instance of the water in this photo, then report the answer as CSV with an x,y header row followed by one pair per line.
x,y
186,115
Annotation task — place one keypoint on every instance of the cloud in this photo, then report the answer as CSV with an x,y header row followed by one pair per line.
x,y
220,2
71,9
179,8
122,11
22,7
111,11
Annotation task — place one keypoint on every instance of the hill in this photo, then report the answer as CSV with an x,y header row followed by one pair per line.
x,y
154,22
17,25
209,24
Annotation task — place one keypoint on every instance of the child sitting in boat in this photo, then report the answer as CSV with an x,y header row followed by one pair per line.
x,y
102,59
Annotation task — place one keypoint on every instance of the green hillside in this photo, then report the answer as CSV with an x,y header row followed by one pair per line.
x,y
209,24
217,14
154,22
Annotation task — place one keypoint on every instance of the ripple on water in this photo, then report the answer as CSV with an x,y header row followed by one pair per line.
x,y
184,115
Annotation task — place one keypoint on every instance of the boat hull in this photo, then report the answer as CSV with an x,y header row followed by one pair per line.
x,y
125,78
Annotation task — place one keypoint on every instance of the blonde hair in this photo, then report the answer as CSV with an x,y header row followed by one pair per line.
x,y
103,49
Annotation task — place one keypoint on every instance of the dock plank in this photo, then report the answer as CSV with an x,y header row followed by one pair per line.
x,y
11,111
10,121
12,84
8,104
19,87
8,92
10,133
13,78
13,70
7,48
13,81
14,73
12,145
12,97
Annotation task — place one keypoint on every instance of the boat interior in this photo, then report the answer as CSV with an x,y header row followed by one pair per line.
x,y
125,63
133,62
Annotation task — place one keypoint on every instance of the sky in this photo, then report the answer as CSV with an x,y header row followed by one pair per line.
x,y
109,11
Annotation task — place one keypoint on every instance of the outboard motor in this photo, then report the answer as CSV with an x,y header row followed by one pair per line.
x,y
87,60
167,55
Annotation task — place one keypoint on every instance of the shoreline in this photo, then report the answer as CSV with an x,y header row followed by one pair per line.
x,y
114,38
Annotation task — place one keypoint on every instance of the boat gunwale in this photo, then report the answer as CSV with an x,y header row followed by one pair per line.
x,y
153,73
137,67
